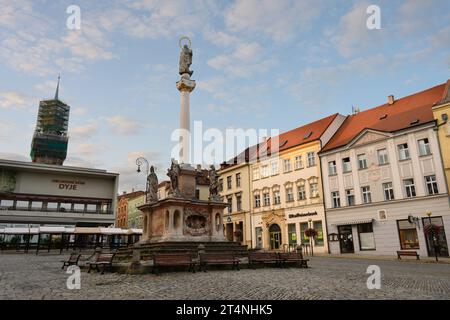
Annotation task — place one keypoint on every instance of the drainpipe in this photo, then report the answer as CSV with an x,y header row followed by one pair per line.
x,y
250,205
323,199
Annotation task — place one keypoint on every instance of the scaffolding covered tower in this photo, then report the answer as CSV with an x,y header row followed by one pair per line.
x,y
50,138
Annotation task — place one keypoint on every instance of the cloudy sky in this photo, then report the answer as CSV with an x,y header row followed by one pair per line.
x,y
258,64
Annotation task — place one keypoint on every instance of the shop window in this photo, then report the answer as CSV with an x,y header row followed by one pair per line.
x,y
91,208
408,235
366,237
36,205
65,207
6,203
79,207
292,233
318,240
22,204
303,227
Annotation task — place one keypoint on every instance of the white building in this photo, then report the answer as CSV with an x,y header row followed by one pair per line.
x,y
381,168
41,194
286,188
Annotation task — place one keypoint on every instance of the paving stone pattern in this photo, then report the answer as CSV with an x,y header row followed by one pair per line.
x,y
26,276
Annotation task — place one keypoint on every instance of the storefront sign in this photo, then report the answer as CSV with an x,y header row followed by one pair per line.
x,y
68,184
296,215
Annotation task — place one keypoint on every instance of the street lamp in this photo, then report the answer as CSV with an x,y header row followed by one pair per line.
x,y
139,162
311,239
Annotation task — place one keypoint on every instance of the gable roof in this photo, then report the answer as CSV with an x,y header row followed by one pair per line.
x,y
406,112
293,138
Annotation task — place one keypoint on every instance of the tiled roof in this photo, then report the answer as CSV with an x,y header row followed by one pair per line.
x,y
446,95
131,195
293,138
404,113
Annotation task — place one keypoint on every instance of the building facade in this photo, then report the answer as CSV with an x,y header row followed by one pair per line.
x,y
135,217
286,189
441,114
235,191
122,212
123,207
384,181
40,194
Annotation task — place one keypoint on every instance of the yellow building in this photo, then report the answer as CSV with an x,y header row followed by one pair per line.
x,y
286,188
235,190
441,113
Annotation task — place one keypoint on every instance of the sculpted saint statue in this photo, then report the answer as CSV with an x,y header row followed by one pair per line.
x,y
174,174
152,186
185,60
213,184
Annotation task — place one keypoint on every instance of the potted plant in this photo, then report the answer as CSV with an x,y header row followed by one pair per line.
x,y
311,233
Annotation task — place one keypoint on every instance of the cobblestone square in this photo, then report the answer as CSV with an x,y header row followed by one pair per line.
x,y
26,276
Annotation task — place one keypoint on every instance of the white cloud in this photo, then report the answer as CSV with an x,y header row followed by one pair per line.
x,y
78,111
86,149
281,20
308,90
84,131
417,16
130,179
247,51
159,18
219,109
82,162
241,68
123,125
14,100
47,87
212,85
221,38
89,43
352,35
13,156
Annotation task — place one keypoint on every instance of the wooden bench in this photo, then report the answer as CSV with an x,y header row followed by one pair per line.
x,y
264,258
104,260
73,260
407,253
296,258
223,258
172,260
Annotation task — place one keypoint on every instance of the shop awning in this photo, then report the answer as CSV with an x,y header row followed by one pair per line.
x,y
111,231
350,222
135,231
70,230
18,231
87,230
48,230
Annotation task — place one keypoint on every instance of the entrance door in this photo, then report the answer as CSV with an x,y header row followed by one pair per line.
x,y
441,239
346,239
275,237
229,231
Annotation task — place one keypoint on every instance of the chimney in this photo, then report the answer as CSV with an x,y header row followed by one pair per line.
x,y
132,190
391,99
